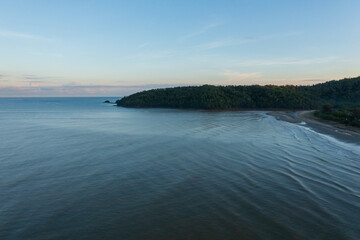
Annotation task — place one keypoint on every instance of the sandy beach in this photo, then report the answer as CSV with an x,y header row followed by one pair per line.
x,y
339,131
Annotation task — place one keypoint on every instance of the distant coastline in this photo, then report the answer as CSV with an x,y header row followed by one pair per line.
x,y
293,104
337,130
341,93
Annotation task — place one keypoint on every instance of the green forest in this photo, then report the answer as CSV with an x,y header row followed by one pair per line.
x,y
340,94
344,115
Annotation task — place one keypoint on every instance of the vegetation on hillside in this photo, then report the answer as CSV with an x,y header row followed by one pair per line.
x,y
348,116
345,92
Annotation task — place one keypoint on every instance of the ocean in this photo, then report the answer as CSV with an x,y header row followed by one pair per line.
x,y
77,168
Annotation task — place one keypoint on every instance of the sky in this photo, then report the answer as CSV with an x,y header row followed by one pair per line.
x,y
115,48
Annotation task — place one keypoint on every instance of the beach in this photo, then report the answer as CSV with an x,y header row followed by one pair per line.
x,y
339,131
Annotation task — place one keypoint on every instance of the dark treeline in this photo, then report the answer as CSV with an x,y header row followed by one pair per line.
x,y
338,93
345,115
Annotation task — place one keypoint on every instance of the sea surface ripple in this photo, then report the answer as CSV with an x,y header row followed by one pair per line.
x,y
76,168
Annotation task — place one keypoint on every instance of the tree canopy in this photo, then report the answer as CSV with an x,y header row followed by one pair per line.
x,y
338,93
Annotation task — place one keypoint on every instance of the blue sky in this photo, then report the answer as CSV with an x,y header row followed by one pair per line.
x,y
115,48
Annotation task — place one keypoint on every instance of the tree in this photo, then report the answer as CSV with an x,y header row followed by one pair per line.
x,y
356,113
326,108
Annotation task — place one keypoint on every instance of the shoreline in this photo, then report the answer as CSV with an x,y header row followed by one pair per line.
x,y
339,131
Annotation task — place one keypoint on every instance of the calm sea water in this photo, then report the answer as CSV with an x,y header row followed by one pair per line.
x,y
76,168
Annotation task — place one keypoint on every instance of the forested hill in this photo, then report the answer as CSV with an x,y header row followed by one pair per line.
x,y
339,93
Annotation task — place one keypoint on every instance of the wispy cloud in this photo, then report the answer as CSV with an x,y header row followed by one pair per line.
x,y
239,41
37,77
239,78
151,55
236,77
12,34
32,77
25,80
287,61
223,43
199,32
143,45
48,54
280,35
142,86
314,80
35,89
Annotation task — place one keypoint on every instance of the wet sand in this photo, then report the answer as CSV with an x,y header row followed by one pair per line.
x,y
339,131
